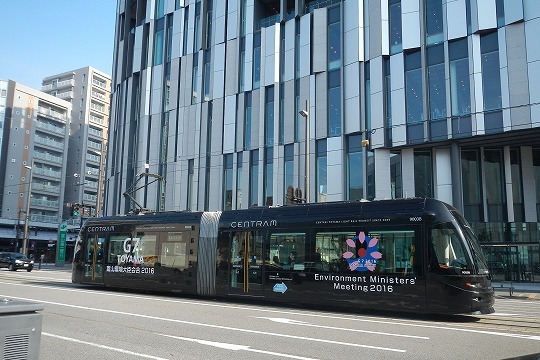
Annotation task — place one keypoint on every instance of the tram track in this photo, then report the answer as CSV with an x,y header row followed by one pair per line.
x,y
519,324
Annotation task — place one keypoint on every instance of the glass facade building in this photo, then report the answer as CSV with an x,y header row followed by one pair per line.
x,y
399,98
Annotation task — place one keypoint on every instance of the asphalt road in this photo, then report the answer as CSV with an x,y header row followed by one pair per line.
x,y
91,323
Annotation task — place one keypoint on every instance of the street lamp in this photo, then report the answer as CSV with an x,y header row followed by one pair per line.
x,y
305,114
26,215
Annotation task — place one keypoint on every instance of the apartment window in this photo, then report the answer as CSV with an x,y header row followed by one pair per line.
x,y
322,171
434,22
254,178
297,115
423,174
472,186
395,26
334,38
268,177
247,121
414,97
500,12
227,181
186,26
334,103
269,116
289,171
256,60
160,8
281,114
355,168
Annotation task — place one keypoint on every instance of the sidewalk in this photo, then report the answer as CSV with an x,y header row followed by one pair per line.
x,y
516,290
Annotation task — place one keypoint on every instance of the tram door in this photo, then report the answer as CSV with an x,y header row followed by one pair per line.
x,y
246,271
93,259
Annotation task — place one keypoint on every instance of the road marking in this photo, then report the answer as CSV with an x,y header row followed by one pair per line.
x,y
345,317
127,352
131,315
302,323
236,347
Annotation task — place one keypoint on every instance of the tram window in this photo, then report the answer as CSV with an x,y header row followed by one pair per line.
x,y
447,249
145,249
174,252
288,250
397,247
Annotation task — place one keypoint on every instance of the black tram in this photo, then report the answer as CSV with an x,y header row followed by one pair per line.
x,y
416,255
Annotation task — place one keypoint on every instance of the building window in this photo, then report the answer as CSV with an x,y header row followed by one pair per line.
x,y
355,168
517,189
186,26
395,26
536,165
208,32
437,92
472,186
197,30
334,38
334,103
242,70
227,181
370,174
207,71
247,121
387,89
414,97
500,12
460,93
239,167
367,97
159,41
281,114
289,172
160,8
191,172
434,22
495,192
396,179
254,178
322,171
297,115
195,76
491,73
423,174
256,60
269,116
268,177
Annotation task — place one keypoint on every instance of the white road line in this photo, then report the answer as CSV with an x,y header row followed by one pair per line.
x,y
235,347
131,315
127,352
300,323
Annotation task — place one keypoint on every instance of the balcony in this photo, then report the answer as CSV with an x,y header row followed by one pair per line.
x,y
51,113
48,173
46,188
48,157
49,142
49,127
65,95
58,85
45,203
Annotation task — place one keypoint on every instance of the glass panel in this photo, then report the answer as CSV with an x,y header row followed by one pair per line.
x,y
322,176
459,78
470,177
268,177
288,251
413,92
254,179
396,181
228,182
239,166
256,60
289,172
174,252
517,190
423,174
434,22
355,181
495,194
447,254
269,116
334,103
334,38
491,73
536,165
247,121
395,26
436,79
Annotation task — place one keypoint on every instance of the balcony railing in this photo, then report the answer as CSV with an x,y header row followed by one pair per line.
x,y
48,157
45,203
48,188
44,218
49,127
49,142
47,172
96,119
59,84
51,113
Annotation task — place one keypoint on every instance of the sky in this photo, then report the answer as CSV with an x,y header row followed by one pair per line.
x,y
40,38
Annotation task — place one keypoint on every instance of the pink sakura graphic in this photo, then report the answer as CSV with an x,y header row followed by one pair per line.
x,y
365,258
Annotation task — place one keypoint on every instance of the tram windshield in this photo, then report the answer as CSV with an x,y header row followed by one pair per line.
x,y
472,241
448,249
